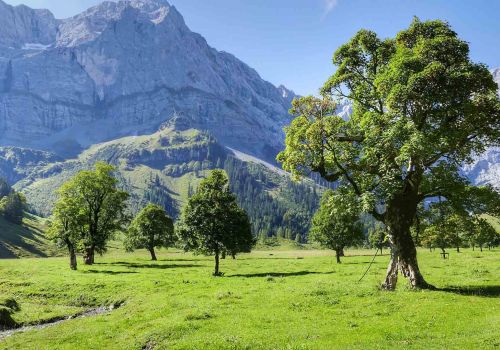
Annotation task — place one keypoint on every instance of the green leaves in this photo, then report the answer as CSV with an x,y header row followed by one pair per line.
x,y
420,109
90,209
151,228
12,207
336,223
212,222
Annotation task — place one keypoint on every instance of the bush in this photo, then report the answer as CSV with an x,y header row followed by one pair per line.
x,y
6,320
12,207
10,303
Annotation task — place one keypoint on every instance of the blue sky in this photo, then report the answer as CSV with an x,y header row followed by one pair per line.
x,y
291,42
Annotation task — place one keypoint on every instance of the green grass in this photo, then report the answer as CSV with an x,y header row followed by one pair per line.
x,y
26,240
267,300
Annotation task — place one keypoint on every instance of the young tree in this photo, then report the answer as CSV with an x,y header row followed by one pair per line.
x,y
12,207
100,203
213,223
420,108
152,228
377,237
67,224
336,224
484,233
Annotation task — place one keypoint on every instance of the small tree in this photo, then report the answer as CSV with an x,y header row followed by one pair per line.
x,y
66,226
152,228
213,223
12,207
100,204
484,233
377,237
336,223
435,236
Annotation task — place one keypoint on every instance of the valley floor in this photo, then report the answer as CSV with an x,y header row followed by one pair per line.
x,y
266,300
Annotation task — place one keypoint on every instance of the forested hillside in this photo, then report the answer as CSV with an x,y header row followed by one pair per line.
x,y
166,167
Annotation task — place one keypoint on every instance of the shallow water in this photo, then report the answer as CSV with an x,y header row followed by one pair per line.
x,y
89,313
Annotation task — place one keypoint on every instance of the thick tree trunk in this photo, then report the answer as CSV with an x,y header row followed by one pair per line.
x,y
399,218
481,248
223,255
72,258
337,255
153,254
233,256
216,271
88,258
458,249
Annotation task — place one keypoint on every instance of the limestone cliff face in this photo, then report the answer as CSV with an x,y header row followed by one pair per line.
x,y
123,68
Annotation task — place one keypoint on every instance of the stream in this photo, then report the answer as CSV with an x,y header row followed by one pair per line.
x,y
49,323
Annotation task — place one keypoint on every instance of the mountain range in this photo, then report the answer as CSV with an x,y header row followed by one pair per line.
x,y
129,83
124,68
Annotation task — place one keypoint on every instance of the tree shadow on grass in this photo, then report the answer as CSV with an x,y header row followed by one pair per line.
x,y
108,272
280,274
151,266
480,291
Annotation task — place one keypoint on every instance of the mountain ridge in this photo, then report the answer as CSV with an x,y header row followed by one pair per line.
x,y
130,66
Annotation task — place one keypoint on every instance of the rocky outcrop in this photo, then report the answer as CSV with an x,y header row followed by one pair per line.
x,y
17,163
23,27
125,67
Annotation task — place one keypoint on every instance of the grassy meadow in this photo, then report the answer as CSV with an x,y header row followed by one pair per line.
x,y
269,299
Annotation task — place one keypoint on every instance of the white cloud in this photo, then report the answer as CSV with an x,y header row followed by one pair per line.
x,y
329,5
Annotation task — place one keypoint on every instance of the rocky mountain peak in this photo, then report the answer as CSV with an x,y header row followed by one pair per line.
x,y
123,68
21,25
93,22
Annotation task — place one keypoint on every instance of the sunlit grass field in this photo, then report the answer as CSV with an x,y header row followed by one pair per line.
x,y
266,300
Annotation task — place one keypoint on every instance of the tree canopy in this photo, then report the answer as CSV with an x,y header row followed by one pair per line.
x,y
12,207
421,108
152,228
92,202
336,224
67,223
212,223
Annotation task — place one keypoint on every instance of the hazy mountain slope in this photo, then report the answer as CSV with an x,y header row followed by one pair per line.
x,y
27,240
17,163
122,68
